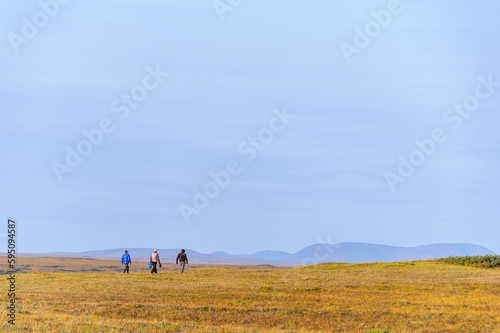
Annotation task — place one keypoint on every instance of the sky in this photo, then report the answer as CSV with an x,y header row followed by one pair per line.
x,y
241,126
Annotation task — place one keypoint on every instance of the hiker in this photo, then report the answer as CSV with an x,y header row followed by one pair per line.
x,y
126,261
183,258
155,259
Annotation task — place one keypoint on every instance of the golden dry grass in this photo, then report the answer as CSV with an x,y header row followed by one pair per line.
x,y
422,296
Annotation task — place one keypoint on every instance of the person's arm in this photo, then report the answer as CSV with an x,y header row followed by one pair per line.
x,y
177,259
186,259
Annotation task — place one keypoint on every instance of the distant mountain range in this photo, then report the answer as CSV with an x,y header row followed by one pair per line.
x,y
311,255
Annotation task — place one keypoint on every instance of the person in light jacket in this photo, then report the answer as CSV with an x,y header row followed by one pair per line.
x,y
154,260
126,261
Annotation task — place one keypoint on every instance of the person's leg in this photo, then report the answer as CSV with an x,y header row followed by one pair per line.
x,y
153,267
183,264
127,267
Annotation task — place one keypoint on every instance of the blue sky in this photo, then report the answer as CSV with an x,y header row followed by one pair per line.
x,y
319,175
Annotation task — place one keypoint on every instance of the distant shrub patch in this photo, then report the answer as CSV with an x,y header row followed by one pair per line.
x,y
487,261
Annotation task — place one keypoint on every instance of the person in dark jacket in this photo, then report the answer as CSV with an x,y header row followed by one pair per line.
x,y
154,259
183,259
126,261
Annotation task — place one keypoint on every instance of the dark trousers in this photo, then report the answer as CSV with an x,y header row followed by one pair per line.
x,y
153,270
126,269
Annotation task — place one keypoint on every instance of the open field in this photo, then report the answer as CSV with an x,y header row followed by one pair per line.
x,y
420,296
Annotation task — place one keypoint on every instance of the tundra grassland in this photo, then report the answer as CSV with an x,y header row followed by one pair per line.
x,y
418,296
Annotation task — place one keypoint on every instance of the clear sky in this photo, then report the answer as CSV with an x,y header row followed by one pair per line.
x,y
321,121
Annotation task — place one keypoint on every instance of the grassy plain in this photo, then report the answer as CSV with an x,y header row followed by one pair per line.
x,y
420,296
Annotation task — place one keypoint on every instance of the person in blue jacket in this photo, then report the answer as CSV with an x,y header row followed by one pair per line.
x,y
126,261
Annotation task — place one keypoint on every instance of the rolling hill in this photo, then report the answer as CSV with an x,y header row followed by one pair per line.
x,y
363,252
314,254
